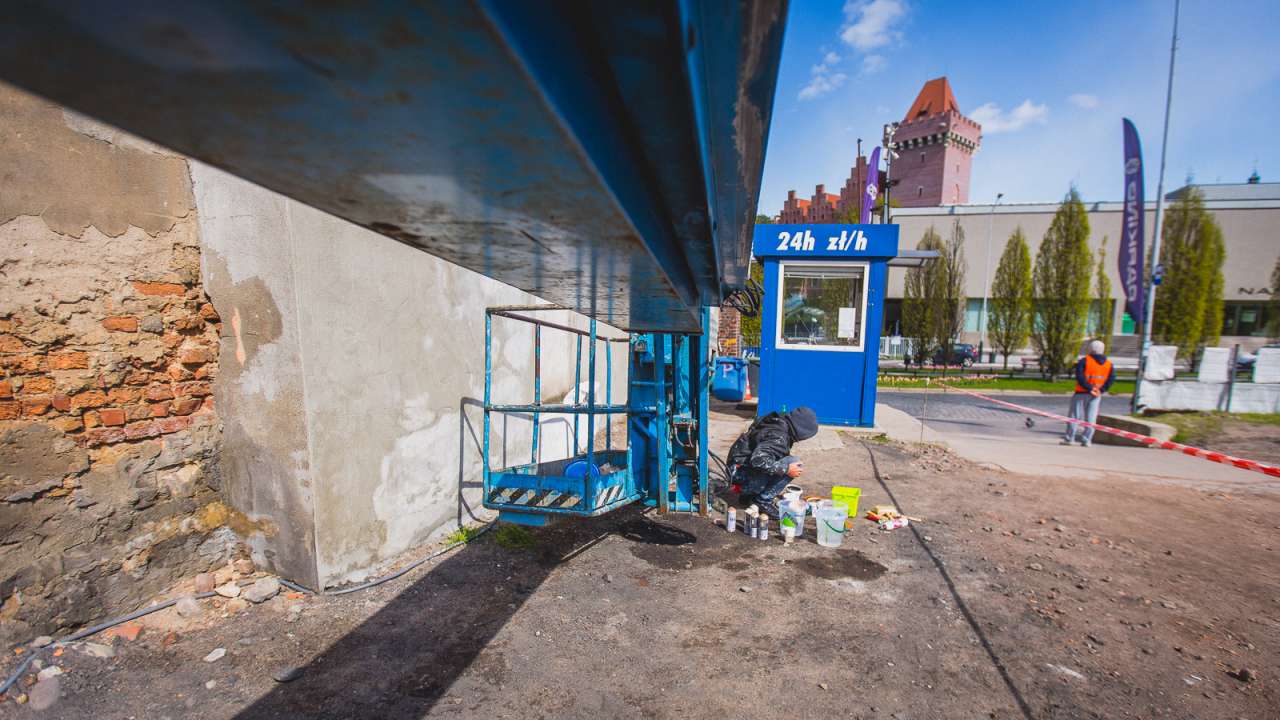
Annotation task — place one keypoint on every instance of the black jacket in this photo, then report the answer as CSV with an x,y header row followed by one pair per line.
x,y
762,448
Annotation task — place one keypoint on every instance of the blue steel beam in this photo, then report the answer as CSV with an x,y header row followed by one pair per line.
x,y
603,156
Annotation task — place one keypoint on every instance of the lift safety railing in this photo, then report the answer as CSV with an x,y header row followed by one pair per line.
x,y
549,487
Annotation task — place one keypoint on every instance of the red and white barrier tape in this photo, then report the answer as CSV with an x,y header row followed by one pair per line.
x,y
1210,455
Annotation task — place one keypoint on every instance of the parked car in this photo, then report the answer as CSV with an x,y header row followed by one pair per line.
x,y
962,354
1245,360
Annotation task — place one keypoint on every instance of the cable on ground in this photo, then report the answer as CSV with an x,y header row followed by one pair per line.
x,y
95,629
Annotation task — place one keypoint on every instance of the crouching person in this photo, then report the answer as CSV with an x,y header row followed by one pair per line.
x,y
761,460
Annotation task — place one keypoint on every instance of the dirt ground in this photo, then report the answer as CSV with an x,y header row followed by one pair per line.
x,y
1248,436
1016,597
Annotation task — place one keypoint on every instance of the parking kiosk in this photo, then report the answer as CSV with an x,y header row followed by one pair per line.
x,y
824,290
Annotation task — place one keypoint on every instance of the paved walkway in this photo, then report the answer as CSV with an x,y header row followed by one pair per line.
x,y
1001,439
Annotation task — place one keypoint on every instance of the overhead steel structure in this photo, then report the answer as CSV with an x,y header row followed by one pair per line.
x,y
605,156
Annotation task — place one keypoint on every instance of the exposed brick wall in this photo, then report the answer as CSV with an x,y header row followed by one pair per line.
x,y
825,207
108,435
729,333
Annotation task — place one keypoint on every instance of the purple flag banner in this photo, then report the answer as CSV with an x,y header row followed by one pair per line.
x,y
1132,253
872,187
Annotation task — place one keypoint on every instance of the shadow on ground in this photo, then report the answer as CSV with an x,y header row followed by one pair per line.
x,y
403,659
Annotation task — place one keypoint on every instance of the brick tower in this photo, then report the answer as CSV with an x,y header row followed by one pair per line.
x,y
935,146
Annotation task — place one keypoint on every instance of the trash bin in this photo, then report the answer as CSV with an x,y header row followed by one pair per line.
x,y
730,381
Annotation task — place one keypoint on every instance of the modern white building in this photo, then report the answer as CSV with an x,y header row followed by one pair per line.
x,y
1249,214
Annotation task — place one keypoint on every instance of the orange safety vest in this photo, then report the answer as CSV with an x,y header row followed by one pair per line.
x,y
1095,373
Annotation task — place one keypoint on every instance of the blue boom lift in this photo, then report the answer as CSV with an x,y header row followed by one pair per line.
x,y
604,156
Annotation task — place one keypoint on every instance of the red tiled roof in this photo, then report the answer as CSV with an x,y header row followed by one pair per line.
x,y
935,97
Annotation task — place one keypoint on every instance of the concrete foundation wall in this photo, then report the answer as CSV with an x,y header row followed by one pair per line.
x,y
354,380
1186,395
193,369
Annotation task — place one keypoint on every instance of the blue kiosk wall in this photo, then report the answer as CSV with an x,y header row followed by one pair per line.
x,y
820,336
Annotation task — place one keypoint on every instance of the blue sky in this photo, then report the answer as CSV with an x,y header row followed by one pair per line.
x,y
1050,83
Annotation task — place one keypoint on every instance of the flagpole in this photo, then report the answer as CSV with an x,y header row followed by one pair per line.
x,y
1149,310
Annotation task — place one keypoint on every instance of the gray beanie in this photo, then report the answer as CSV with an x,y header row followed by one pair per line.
x,y
804,422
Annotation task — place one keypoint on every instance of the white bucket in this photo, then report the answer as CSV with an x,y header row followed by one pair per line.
x,y
791,515
830,517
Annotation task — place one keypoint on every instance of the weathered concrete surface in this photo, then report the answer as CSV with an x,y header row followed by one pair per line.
x,y
1158,430
1193,395
353,385
108,485
248,272
68,170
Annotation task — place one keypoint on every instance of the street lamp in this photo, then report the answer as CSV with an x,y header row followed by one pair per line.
x,y
986,281
890,129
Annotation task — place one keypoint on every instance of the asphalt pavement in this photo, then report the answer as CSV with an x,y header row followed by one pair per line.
x,y
1000,437
945,411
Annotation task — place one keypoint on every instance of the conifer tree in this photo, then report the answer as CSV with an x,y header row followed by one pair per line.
x,y
1061,278
1274,323
1011,297
1106,311
1188,311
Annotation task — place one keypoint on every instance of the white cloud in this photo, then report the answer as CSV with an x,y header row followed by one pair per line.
x,y
869,24
1081,100
823,78
872,64
821,84
994,120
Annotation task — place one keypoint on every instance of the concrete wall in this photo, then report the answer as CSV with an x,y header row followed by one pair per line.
x,y
142,290
1193,395
354,371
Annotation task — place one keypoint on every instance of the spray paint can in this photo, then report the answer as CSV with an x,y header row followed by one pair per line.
x,y
763,531
731,519
753,521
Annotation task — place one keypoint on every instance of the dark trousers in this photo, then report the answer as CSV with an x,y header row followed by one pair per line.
x,y
763,486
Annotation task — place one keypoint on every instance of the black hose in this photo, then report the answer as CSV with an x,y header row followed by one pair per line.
x,y
22,667
748,300
390,576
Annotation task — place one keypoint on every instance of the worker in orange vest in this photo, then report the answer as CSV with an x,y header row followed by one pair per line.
x,y
1094,375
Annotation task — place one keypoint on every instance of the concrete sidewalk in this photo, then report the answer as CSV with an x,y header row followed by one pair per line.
x,y
1040,454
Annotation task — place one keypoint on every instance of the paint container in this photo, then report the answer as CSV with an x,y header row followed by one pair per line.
x,y
731,519
763,532
788,535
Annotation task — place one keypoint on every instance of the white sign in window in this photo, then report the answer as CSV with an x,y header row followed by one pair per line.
x,y
822,306
847,325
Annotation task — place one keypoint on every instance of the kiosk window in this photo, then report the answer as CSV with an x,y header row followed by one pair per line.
x,y
823,305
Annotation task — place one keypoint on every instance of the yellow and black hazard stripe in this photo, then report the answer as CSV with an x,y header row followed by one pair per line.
x,y
528,497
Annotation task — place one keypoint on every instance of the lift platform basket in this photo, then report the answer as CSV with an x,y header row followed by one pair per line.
x,y
559,486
